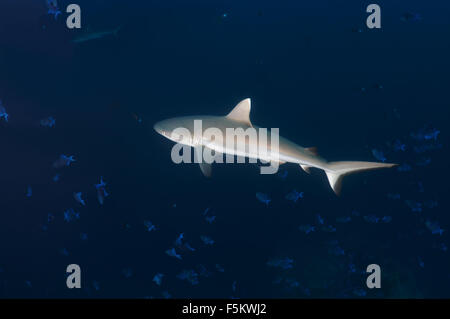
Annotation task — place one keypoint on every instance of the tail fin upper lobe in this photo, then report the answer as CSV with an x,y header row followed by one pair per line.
x,y
337,170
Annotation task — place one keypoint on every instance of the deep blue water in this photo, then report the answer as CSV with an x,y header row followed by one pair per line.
x,y
313,69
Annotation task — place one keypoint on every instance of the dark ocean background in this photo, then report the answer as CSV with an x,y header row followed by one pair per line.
x,y
311,68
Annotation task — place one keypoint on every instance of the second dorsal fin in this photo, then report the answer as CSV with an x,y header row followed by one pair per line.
x,y
241,112
313,150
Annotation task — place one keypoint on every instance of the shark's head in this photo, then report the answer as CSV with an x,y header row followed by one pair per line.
x,y
166,127
183,130
175,129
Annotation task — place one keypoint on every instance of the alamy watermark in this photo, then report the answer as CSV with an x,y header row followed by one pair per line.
x,y
213,145
74,278
374,279
374,19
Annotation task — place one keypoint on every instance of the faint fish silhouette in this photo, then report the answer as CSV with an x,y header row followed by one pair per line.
x,y
52,7
63,161
101,191
3,113
263,198
294,196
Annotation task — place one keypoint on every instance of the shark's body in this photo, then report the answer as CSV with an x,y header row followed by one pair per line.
x,y
95,35
287,151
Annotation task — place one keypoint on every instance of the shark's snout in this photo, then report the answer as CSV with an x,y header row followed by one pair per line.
x,y
158,128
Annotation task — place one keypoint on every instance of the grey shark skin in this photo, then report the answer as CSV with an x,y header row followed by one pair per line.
x,y
95,36
288,152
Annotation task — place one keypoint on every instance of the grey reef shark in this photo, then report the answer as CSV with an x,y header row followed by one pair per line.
x,y
286,152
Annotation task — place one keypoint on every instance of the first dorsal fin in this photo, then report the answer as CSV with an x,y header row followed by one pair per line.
x,y
241,112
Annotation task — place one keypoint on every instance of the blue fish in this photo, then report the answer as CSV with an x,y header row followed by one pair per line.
x,y
434,227
96,285
399,146
127,272
283,263
336,250
294,196
172,253
404,168
263,198
189,275
432,134
166,294
178,241
29,192
220,268
149,226
79,199
157,279
415,207
426,134
307,229
379,155
411,17
371,219
351,268
233,286
52,8
419,149
64,252
344,220
423,161
443,247
328,229
50,218
101,191
421,263
386,219
207,240
320,220
431,204
393,196
355,213
48,122
360,292
3,113
70,215
202,271
210,219
63,161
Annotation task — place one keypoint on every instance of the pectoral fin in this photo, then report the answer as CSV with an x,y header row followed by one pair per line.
x,y
206,169
198,157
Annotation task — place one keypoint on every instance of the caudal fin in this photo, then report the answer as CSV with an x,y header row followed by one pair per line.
x,y
337,170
